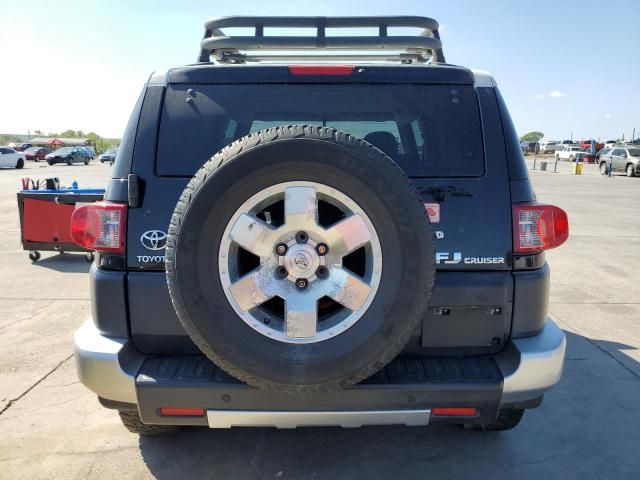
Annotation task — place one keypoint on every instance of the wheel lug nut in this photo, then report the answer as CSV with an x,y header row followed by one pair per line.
x,y
322,249
281,272
281,249
302,237
322,272
301,283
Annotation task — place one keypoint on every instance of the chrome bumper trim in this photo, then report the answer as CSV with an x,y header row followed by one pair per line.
x,y
541,360
280,419
106,365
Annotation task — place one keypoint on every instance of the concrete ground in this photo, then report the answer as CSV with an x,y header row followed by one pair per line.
x,y
588,426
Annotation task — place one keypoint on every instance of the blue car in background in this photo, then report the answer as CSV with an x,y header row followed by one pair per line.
x,y
90,151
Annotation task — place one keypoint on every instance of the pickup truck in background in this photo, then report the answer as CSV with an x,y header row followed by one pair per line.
x,y
586,145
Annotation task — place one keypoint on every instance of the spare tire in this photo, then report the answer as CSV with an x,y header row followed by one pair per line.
x,y
300,259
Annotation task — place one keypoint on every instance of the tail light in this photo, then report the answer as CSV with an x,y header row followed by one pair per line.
x,y
100,226
538,227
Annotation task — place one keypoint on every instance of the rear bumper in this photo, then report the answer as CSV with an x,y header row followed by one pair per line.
x,y
116,372
538,362
107,365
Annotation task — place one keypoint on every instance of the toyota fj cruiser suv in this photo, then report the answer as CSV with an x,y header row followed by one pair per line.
x,y
324,230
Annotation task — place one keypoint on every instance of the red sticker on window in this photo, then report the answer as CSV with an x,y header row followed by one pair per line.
x,y
433,210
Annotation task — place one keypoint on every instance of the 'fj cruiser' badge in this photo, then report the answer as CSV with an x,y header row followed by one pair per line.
x,y
154,239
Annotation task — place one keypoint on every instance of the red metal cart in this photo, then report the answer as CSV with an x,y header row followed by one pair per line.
x,y
45,219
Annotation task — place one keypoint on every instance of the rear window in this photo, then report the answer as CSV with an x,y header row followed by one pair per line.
x,y
429,130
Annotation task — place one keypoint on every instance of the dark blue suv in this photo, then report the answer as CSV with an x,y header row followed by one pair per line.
x,y
345,235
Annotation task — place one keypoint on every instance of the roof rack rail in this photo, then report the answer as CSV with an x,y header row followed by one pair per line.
x,y
224,48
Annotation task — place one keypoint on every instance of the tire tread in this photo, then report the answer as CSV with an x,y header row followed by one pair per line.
x,y
133,423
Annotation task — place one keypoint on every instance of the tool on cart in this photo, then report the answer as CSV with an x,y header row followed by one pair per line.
x,y
45,217
47,183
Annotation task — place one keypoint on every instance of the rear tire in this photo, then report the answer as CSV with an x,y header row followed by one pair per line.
x,y
50,163
20,163
69,162
133,423
507,419
630,171
86,161
34,255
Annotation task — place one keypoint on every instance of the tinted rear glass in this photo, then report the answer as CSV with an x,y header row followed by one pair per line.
x,y
429,130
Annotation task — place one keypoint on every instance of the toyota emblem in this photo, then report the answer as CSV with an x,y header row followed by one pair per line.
x,y
154,239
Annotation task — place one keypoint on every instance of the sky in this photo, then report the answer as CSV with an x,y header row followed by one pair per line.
x,y
565,68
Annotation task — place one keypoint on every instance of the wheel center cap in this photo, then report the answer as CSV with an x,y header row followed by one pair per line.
x,y
302,261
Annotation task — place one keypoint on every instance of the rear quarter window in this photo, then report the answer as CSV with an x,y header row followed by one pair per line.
x,y
428,130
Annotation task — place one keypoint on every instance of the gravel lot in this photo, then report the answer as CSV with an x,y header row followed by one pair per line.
x,y
588,426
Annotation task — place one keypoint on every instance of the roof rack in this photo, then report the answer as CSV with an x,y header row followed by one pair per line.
x,y
224,48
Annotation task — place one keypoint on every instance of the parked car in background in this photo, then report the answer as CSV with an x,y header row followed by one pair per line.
x,y
21,147
108,156
69,155
36,153
621,159
610,143
530,147
569,152
11,158
586,145
548,147
564,143
90,151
